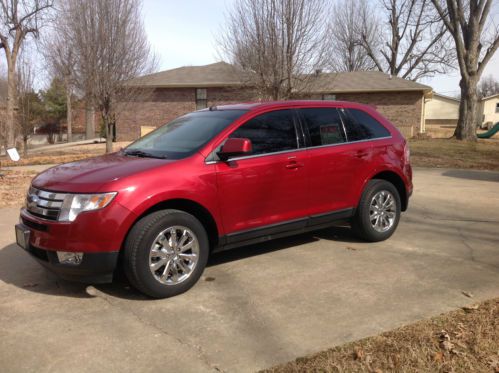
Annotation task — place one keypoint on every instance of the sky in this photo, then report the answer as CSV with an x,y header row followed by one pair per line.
x,y
184,33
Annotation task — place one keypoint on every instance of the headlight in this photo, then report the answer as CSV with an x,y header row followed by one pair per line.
x,y
74,204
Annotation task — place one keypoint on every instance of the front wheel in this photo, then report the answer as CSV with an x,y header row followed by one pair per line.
x,y
378,213
165,253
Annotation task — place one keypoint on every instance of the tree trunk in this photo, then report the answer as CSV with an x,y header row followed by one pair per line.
x,y
466,125
25,147
109,134
89,121
11,100
69,113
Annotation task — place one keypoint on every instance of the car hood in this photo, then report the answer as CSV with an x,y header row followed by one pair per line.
x,y
91,174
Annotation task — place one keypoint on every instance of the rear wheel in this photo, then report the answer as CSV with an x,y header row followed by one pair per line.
x,y
378,213
165,253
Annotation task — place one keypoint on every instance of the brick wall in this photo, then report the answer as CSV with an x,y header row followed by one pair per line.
x,y
401,108
164,104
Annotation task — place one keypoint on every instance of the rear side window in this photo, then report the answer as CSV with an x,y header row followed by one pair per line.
x,y
270,132
361,126
324,126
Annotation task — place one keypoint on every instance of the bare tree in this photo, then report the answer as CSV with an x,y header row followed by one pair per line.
x,y
28,101
61,61
73,51
111,48
18,19
278,42
3,101
488,86
476,40
349,18
415,43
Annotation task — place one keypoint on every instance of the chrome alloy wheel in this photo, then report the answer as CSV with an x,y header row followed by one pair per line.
x,y
382,211
174,255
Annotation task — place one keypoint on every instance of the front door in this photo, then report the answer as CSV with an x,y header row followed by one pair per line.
x,y
268,187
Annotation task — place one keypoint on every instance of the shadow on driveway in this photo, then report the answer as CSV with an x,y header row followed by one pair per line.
x,y
19,269
473,175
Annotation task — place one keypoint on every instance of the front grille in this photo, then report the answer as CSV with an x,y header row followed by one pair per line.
x,y
44,204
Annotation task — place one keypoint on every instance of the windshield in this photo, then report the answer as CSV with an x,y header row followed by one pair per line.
x,y
183,136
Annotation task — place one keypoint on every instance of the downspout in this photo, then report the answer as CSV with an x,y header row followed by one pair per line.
x,y
422,124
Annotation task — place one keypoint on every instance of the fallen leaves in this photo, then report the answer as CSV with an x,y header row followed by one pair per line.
x,y
467,294
444,341
471,308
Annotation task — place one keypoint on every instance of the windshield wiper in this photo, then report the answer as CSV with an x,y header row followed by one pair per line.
x,y
141,153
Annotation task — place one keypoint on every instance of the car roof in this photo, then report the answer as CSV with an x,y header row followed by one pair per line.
x,y
287,104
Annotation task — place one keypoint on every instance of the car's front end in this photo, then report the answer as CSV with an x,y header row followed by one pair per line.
x,y
78,236
73,222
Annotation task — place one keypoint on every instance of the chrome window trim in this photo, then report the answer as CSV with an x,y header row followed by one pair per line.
x,y
300,149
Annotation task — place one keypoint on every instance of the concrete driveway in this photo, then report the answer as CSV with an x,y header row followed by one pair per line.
x,y
259,306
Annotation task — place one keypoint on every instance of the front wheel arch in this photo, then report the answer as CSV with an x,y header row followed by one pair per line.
x,y
195,209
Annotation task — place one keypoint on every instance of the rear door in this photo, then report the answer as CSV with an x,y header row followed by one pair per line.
x,y
268,187
334,165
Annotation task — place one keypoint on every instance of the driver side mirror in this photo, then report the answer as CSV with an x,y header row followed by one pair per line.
x,y
234,147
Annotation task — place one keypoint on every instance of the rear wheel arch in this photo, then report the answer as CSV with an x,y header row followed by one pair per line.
x,y
397,181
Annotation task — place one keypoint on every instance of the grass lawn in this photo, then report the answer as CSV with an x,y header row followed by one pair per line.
x,y
444,153
458,341
13,187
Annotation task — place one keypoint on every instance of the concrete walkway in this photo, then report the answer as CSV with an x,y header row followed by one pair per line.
x,y
64,145
266,304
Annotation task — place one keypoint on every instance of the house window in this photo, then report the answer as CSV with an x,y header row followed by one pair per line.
x,y
497,107
201,98
329,97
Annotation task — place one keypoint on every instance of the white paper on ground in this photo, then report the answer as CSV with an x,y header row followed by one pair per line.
x,y
13,154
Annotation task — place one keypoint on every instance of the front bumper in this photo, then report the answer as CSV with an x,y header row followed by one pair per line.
x,y
94,267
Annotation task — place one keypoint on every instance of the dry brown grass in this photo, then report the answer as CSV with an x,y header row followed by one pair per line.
x,y
13,187
474,347
64,155
482,155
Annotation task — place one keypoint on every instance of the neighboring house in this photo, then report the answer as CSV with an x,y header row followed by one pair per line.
x,y
401,101
171,93
490,109
441,115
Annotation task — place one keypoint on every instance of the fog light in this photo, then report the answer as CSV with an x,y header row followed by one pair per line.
x,y
69,258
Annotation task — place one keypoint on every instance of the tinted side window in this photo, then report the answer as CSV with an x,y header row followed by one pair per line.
x,y
361,126
270,132
324,126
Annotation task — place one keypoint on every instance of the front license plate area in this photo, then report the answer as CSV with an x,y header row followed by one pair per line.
x,y
22,236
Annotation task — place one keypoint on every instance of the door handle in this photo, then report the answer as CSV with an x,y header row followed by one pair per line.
x,y
361,154
293,164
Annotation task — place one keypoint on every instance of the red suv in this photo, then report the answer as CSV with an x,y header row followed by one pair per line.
x,y
212,180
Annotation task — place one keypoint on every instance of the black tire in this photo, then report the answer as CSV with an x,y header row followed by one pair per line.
x,y
361,223
138,245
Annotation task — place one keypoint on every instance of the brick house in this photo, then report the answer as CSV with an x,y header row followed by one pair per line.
x,y
169,94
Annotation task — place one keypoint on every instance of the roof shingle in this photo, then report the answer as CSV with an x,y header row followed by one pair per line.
x,y
222,74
